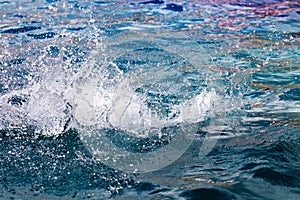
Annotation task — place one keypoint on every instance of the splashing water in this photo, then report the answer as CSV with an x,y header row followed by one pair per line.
x,y
147,82
157,94
153,99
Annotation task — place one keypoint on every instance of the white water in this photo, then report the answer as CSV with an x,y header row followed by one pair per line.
x,y
99,94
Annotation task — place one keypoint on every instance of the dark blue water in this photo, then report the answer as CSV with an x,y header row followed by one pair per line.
x,y
138,75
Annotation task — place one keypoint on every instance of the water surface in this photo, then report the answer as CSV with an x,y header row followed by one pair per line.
x,y
241,55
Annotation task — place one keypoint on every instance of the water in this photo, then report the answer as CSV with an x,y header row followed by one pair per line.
x,y
150,99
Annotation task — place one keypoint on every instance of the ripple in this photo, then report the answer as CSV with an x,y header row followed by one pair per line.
x,y
21,29
207,193
276,178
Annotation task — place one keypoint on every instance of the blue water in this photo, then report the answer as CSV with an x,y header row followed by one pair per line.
x,y
142,74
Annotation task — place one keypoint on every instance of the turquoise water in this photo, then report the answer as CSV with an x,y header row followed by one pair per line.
x,y
184,99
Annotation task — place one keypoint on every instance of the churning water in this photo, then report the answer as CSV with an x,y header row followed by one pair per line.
x,y
150,99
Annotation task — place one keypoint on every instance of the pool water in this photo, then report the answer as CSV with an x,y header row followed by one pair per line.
x,y
150,99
